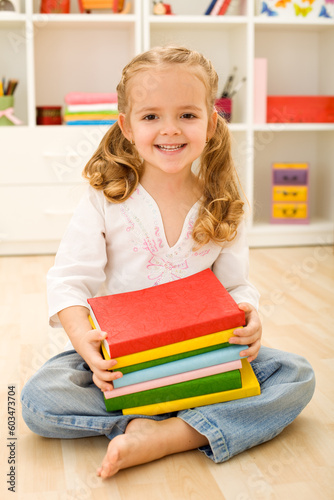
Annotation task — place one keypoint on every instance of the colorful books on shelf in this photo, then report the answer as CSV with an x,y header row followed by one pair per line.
x,y
219,7
84,108
171,343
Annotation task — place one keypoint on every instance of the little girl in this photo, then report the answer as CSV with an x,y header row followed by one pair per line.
x,y
149,219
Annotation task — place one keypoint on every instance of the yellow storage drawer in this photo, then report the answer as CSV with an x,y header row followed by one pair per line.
x,y
290,193
289,211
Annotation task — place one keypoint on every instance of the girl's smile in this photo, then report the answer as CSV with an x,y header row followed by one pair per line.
x,y
170,148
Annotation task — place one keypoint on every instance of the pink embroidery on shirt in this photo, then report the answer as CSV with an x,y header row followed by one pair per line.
x,y
130,222
205,252
159,267
150,245
157,231
190,229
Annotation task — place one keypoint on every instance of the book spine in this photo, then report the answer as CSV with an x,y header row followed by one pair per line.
x,y
169,359
210,7
175,348
214,383
231,353
174,379
224,7
191,402
216,8
250,387
260,90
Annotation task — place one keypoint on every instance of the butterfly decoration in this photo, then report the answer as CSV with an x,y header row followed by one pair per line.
x,y
302,11
309,1
266,10
282,3
324,13
329,1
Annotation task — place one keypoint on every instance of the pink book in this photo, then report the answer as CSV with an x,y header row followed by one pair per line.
x,y
217,7
174,379
90,97
260,90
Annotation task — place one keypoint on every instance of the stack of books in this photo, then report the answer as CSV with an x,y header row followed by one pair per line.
x,y
171,342
84,108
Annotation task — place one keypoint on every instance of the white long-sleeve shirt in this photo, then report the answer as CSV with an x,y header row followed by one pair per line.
x,y
112,248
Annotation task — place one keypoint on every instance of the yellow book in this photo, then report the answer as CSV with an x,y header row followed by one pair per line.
x,y
91,116
250,387
170,349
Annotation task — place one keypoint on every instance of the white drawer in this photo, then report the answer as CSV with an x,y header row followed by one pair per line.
x,y
33,213
46,154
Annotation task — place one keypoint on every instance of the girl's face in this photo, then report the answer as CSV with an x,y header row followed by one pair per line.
x,y
168,119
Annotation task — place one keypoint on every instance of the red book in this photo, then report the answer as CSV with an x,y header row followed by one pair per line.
x,y
165,314
224,7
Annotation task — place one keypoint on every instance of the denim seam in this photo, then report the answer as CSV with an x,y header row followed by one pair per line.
x,y
65,420
196,419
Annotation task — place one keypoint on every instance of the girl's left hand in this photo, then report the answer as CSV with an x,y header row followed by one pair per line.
x,y
251,333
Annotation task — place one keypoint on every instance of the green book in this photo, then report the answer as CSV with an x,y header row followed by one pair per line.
x,y
206,385
169,359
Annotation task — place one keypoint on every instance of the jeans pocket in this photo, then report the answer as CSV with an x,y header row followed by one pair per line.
x,y
265,369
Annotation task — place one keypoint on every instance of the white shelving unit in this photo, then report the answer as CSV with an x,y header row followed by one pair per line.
x,y
40,172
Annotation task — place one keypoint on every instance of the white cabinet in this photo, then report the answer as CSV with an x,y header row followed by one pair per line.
x,y
51,55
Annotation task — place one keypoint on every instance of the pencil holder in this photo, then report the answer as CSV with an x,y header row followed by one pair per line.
x,y
7,111
224,108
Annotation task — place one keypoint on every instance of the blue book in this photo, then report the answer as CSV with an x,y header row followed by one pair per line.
x,y
209,9
91,122
211,358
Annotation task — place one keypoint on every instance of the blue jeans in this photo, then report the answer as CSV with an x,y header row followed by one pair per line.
x,y
61,401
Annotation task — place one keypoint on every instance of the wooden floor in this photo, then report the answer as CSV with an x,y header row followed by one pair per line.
x,y
297,305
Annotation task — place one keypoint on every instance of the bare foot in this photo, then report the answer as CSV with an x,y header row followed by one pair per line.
x,y
146,440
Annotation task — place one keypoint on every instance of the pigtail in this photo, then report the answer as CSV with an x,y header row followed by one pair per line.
x,y
115,168
221,209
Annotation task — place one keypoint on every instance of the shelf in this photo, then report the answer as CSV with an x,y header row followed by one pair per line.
x,y
199,19
12,20
295,23
318,232
79,20
294,127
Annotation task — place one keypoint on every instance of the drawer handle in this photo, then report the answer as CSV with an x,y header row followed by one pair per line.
x,y
290,212
287,178
286,193
53,211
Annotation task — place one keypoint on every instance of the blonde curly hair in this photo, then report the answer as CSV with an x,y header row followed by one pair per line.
x,y
116,168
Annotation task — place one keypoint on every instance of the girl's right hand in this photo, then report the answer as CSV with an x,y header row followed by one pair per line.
x,y
90,349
